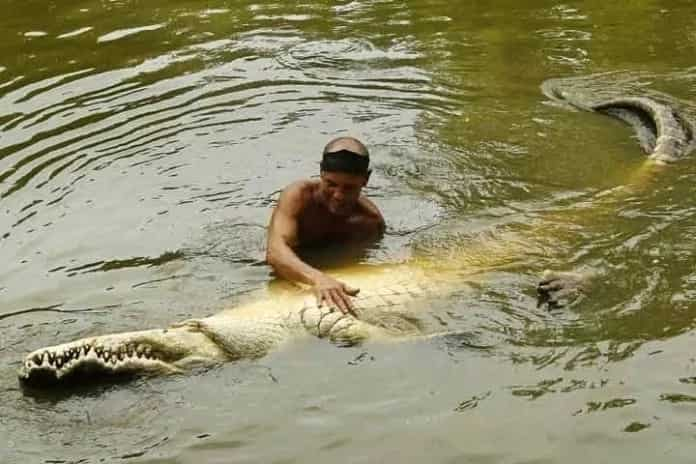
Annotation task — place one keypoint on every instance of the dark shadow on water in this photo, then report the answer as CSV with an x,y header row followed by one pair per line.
x,y
104,266
336,255
90,382
44,388
464,340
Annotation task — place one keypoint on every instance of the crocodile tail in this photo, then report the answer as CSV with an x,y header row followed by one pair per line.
x,y
663,131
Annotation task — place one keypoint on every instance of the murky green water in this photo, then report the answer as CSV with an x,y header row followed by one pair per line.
x,y
142,145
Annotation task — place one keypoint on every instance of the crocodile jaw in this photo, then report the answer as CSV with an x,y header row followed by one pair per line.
x,y
130,353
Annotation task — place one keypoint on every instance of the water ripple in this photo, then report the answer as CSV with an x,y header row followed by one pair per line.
x,y
136,115
121,33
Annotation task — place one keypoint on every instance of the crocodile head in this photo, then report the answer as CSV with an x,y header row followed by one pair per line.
x,y
125,354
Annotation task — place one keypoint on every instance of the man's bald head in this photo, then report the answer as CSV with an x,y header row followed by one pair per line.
x,y
348,155
347,143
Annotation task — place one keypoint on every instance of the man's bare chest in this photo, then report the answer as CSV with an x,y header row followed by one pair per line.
x,y
319,228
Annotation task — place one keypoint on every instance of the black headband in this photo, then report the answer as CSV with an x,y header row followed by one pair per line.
x,y
345,161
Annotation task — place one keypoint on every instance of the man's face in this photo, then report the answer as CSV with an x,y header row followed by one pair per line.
x,y
340,191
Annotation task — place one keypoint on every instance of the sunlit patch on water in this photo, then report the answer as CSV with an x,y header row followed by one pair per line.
x,y
120,34
75,33
35,34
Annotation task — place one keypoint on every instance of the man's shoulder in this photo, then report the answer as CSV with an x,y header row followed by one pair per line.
x,y
300,187
370,215
296,195
370,209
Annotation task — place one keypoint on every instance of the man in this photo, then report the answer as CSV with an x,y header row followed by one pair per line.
x,y
328,211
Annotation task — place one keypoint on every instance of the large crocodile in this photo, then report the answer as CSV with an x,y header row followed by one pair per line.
x,y
250,330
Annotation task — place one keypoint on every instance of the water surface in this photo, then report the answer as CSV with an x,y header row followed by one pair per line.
x,y
143,145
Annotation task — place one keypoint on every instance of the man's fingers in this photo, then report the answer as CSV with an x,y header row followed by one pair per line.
x,y
349,305
330,297
319,295
342,302
336,297
324,297
350,290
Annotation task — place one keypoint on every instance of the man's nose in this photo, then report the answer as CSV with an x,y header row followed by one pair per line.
x,y
339,194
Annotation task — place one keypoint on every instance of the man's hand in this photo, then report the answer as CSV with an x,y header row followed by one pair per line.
x,y
334,293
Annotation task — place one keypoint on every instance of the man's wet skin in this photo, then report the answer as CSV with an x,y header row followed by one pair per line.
x,y
330,212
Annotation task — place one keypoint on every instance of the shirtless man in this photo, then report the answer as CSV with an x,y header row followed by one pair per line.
x,y
327,211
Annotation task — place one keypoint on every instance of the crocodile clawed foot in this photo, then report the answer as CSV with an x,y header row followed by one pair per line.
x,y
560,289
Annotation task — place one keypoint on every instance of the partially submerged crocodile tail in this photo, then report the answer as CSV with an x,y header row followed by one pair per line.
x,y
672,135
663,132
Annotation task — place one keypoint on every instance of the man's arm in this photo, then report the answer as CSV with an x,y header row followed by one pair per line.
x,y
283,237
